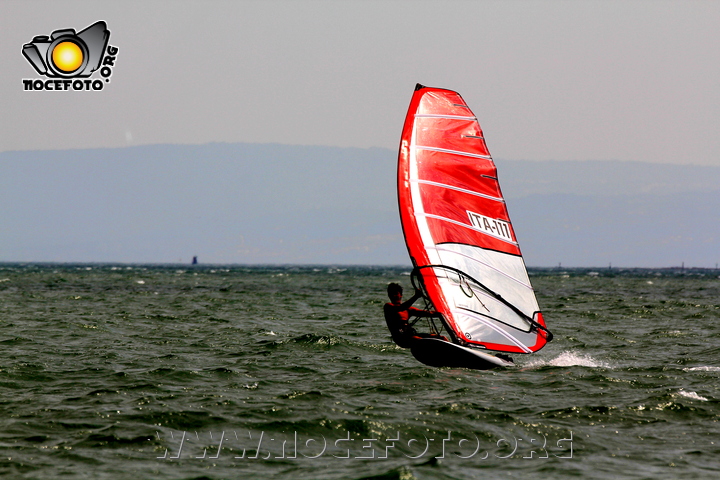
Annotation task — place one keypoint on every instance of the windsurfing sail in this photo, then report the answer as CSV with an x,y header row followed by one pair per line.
x,y
457,229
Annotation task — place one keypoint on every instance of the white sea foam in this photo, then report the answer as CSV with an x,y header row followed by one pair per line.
x,y
570,359
692,395
702,369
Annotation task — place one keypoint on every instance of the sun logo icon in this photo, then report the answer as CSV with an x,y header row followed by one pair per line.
x,y
67,56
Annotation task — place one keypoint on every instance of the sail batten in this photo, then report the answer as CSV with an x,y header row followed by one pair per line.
x,y
454,152
458,231
453,117
459,189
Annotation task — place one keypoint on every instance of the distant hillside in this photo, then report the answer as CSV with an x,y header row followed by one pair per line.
x,y
603,178
624,213
225,203
631,230
265,203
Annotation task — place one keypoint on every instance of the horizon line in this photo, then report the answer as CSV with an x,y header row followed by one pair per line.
x,y
348,265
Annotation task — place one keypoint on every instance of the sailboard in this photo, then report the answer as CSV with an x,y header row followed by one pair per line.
x,y
466,258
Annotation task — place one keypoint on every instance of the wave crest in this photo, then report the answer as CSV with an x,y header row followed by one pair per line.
x,y
570,359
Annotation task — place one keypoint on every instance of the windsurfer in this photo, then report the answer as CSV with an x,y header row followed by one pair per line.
x,y
397,316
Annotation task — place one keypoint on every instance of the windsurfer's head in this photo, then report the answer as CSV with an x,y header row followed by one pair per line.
x,y
394,290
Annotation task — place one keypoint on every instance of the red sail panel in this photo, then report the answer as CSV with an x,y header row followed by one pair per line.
x,y
454,216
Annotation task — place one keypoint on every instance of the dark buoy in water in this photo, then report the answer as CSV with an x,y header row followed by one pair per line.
x,y
194,262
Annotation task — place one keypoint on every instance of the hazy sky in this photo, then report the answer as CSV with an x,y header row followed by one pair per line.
x,y
625,80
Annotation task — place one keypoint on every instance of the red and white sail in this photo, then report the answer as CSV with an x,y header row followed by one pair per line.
x,y
458,231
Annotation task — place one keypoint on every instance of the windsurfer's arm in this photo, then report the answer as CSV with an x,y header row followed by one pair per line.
x,y
405,305
392,309
416,312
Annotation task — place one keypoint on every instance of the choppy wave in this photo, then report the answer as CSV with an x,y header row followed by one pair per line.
x,y
693,395
569,359
702,369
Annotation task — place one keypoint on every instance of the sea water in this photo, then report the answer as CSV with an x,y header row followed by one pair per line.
x,y
225,372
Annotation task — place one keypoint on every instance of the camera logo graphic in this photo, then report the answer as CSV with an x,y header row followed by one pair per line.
x,y
69,56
